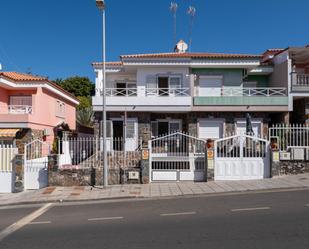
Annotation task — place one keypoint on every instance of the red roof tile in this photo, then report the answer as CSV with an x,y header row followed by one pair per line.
x,y
191,55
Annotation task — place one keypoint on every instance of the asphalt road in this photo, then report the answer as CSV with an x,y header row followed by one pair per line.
x,y
265,220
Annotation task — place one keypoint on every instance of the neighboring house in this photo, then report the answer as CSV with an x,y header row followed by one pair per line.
x,y
33,107
291,67
204,94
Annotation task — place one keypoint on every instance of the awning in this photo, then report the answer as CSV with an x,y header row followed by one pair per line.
x,y
8,133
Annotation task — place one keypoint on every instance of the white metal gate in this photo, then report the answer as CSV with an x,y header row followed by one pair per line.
x,y
177,157
36,165
241,157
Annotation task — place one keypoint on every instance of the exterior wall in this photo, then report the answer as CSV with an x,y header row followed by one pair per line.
x,y
280,75
3,99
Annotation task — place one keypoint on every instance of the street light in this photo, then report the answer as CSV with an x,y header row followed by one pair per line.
x,y
101,6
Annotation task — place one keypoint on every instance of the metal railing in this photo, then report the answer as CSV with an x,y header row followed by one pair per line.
x,y
170,92
288,136
87,152
253,92
20,109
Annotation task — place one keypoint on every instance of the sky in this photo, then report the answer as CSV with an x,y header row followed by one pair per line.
x,y
61,38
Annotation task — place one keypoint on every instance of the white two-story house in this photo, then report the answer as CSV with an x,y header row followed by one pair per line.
x,y
204,94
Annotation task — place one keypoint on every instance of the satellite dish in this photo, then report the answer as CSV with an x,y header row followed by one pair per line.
x,y
181,47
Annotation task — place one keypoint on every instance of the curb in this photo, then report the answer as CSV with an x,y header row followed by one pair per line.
x,y
127,198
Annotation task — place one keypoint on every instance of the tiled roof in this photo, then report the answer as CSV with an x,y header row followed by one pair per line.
x,y
21,76
111,63
191,55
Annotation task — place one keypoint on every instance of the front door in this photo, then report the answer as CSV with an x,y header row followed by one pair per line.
x,y
163,86
118,135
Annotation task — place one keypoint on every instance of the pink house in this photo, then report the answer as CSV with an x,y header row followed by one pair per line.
x,y
33,107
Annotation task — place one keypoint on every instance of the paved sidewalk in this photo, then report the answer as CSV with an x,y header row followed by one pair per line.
x,y
154,190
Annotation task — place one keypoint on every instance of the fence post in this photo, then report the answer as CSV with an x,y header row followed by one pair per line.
x,y
146,164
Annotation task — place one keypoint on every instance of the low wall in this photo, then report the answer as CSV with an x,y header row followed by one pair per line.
x,y
289,168
87,177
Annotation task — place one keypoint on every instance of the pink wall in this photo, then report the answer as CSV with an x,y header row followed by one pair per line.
x,y
44,115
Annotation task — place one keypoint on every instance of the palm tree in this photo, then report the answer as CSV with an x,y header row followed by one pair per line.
x,y
85,117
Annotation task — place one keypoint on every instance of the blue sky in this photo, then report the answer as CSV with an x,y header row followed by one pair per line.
x,y
60,38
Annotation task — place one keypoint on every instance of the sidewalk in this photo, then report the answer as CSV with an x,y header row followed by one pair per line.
x,y
154,190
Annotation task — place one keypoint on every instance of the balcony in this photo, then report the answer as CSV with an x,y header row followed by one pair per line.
x,y
300,82
17,116
145,99
238,96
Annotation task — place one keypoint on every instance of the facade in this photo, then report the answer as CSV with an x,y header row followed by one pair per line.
x,y
206,95
33,107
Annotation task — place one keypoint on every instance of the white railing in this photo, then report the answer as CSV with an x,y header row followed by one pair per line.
x,y
299,79
170,92
125,92
289,136
20,109
257,91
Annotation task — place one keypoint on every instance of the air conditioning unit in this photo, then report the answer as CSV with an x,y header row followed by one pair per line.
x,y
298,154
133,175
285,156
46,132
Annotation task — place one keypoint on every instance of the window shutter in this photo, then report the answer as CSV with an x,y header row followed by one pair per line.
x,y
130,129
151,81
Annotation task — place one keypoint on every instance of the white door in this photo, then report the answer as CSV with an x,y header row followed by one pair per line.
x,y
210,129
210,85
241,127
131,141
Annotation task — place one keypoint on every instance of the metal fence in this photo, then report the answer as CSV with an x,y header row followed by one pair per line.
x,y
87,152
285,137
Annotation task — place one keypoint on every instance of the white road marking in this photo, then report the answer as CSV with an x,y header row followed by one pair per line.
x,y
39,222
175,214
24,221
106,218
250,209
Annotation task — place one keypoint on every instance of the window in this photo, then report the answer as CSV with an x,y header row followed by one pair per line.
x,y
60,109
164,81
175,82
21,100
160,128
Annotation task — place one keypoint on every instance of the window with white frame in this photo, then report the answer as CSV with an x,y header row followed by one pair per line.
x,y
130,129
174,81
60,109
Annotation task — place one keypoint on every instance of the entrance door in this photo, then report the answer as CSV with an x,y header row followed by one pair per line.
x,y
163,86
163,128
118,135
210,85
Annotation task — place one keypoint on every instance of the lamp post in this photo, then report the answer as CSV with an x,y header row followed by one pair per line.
x,y
101,6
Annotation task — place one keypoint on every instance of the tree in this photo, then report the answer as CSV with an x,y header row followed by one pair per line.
x,y
84,102
78,86
85,117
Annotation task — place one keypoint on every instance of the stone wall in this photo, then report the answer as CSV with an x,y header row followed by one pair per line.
x,y
25,136
87,177
289,168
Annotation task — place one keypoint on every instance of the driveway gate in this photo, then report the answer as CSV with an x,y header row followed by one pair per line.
x,y
36,165
177,157
241,157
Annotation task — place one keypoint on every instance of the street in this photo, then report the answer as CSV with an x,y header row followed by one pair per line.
x,y
253,220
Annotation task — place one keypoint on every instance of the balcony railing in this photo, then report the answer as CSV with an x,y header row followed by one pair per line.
x,y
257,91
159,92
300,81
169,92
125,92
20,109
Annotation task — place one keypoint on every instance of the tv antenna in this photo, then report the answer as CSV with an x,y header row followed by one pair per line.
x,y
191,12
173,9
